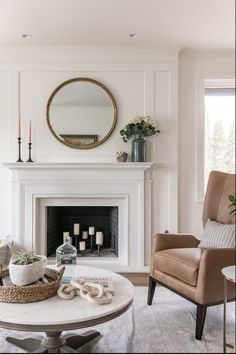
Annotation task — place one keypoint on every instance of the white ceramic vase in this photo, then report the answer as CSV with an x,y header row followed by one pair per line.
x,y
28,273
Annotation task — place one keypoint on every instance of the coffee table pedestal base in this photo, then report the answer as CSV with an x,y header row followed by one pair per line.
x,y
54,342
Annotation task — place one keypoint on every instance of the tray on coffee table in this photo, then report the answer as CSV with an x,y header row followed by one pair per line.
x,y
32,292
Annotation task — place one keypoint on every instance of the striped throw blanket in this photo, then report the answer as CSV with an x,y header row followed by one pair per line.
x,y
5,251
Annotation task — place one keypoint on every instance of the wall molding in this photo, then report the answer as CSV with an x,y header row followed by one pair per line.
x,y
215,52
88,54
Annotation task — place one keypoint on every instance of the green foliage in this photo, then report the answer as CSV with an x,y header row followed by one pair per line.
x,y
232,205
26,257
140,125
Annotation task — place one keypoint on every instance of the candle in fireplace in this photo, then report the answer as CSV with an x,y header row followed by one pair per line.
x,y
82,246
91,230
99,238
76,229
85,235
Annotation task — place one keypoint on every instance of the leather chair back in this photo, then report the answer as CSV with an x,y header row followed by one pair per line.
x,y
216,205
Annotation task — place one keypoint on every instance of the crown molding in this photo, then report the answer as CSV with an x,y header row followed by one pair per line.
x,y
219,52
87,54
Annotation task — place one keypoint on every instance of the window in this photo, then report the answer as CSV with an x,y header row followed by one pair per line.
x,y
219,151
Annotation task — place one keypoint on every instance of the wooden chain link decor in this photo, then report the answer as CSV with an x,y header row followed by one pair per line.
x,y
91,292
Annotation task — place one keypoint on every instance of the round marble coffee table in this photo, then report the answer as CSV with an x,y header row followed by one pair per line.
x,y
53,316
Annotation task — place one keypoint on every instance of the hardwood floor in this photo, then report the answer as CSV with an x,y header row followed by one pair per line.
x,y
137,279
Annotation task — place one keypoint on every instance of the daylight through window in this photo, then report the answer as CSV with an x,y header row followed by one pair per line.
x,y
219,151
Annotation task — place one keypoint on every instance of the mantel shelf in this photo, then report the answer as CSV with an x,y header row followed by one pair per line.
x,y
142,166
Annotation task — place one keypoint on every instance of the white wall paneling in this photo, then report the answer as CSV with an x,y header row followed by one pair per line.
x,y
143,81
194,68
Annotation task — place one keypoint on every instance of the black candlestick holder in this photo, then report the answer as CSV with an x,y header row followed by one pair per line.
x,y
30,147
19,150
82,253
91,243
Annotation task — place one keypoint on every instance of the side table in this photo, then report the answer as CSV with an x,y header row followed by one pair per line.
x,y
229,276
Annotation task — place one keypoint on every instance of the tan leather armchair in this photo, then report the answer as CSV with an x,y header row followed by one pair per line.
x,y
193,273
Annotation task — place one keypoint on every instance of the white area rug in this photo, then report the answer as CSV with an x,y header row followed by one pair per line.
x,y
168,326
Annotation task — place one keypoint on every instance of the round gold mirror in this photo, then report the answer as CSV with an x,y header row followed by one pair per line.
x,y
81,113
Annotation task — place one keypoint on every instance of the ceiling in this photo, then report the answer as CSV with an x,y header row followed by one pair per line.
x,y
204,24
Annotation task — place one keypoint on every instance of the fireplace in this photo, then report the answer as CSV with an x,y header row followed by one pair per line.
x,y
107,214
122,191
60,219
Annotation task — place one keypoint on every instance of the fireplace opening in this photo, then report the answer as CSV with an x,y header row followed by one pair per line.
x,y
104,219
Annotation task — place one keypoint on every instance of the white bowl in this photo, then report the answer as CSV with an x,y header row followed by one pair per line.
x,y
28,273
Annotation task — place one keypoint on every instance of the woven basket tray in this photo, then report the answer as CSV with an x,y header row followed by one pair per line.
x,y
31,293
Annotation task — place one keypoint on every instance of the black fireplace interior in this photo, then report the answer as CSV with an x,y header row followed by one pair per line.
x,y
62,219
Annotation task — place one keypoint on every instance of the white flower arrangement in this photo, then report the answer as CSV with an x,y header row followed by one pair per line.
x,y
139,125
138,119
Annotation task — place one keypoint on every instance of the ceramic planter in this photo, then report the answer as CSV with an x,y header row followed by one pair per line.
x,y
28,273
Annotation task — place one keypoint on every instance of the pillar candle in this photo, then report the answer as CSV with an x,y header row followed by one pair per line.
x,y
82,245
91,230
85,235
30,133
76,229
66,236
99,238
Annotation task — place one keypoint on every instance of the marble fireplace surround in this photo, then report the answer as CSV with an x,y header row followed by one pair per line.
x,y
127,185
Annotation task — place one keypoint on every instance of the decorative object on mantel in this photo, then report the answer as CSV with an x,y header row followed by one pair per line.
x,y
19,141
93,292
121,156
30,143
138,128
38,291
27,267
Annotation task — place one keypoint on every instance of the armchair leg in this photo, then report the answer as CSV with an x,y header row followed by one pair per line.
x,y
151,290
200,320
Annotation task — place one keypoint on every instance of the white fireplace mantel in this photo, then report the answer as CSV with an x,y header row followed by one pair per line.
x,y
132,166
33,183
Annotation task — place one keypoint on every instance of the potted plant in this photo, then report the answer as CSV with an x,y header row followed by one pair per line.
x,y
138,128
27,267
232,199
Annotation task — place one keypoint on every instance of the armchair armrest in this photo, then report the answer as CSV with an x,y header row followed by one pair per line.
x,y
167,241
210,287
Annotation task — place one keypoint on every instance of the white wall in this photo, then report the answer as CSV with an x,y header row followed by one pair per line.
x,y
143,81
194,67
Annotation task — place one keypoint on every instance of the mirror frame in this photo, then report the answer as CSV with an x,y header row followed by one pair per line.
x,y
115,111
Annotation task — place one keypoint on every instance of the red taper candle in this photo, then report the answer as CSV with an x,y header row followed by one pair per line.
x,y
19,128
30,137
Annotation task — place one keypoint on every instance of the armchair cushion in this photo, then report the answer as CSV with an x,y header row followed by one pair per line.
x,y
217,235
182,263
165,241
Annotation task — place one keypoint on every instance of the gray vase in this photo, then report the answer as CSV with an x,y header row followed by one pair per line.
x,y
138,149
